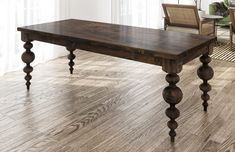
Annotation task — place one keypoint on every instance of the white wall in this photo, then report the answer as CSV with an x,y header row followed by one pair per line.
x,y
94,10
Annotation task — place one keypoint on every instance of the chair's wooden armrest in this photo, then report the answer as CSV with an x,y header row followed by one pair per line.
x,y
207,21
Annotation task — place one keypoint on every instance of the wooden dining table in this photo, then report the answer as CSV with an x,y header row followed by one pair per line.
x,y
170,50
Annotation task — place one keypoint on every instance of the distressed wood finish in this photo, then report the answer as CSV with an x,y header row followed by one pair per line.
x,y
170,50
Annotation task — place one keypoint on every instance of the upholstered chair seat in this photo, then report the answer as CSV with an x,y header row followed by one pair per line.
x,y
182,29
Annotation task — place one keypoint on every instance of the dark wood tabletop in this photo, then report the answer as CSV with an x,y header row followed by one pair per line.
x,y
160,43
170,50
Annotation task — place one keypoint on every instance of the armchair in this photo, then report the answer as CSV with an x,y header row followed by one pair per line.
x,y
185,18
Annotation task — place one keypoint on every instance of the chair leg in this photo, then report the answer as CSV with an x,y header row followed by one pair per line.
x,y
231,42
231,38
165,24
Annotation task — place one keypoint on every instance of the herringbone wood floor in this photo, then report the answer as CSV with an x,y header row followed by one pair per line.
x,y
114,105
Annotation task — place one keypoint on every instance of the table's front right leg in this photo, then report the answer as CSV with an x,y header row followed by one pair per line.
x,y
28,57
172,95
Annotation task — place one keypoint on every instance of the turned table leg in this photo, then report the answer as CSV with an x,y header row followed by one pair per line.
x,y
71,57
172,95
205,72
28,57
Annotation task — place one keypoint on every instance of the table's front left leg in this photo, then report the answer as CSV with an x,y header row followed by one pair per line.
x,y
206,73
71,57
172,95
28,57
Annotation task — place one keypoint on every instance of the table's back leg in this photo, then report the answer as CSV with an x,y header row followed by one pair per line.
x,y
28,57
71,57
205,72
172,95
